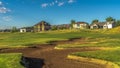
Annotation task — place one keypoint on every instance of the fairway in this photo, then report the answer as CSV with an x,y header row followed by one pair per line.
x,y
73,40
10,60
26,39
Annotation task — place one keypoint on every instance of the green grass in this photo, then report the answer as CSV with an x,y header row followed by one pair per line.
x,y
10,60
22,39
26,39
95,39
99,42
109,55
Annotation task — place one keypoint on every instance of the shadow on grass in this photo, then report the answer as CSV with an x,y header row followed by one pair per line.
x,y
29,62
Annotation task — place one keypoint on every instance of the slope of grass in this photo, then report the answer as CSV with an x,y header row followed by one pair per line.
x,y
10,60
115,30
99,39
94,42
112,55
21,39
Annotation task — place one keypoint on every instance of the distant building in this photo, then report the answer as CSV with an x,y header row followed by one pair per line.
x,y
102,25
60,27
42,26
80,25
26,29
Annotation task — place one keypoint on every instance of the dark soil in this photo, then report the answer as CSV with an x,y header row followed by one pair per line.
x,y
45,56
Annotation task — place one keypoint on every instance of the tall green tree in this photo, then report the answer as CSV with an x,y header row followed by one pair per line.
x,y
117,23
109,19
14,29
72,22
95,21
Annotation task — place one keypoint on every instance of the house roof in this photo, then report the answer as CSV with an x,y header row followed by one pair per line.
x,y
26,28
99,24
40,23
80,23
66,25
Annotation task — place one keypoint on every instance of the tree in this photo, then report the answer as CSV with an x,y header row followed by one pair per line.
x,y
109,19
72,22
117,23
95,21
14,29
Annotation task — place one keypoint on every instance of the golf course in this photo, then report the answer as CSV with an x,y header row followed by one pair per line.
x,y
61,49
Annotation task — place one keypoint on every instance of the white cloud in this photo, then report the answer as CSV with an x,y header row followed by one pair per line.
x,y
56,1
71,1
44,5
60,3
0,3
3,9
51,4
7,18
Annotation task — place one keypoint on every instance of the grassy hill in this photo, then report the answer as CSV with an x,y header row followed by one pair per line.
x,y
10,60
115,30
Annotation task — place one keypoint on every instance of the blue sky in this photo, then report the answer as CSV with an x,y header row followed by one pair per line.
x,y
22,13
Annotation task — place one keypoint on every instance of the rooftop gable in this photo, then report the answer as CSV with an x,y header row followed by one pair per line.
x,y
80,23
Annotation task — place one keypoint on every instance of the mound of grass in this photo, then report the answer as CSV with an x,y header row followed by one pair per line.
x,y
25,39
99,42
115,30
22,39
11,60
112,55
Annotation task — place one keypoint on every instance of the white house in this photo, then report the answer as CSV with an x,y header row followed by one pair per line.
x,y
102,25
22,30
26,29
110,24
80,25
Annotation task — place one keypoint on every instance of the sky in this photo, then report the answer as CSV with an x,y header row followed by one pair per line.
x,y
24,13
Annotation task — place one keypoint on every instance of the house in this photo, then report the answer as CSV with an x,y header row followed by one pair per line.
x,y
110,24
26,29
94,26
42,26
80,25
62,26
102,25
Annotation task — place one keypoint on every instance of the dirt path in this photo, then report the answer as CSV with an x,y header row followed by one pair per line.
x,y
53,58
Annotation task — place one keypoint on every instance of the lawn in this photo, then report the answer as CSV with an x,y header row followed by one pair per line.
x,y
94,38
10,60
23,39
108,55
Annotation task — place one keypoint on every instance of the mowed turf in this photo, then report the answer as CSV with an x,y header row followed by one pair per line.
x,y
23,39
95,39
10,60
108,55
